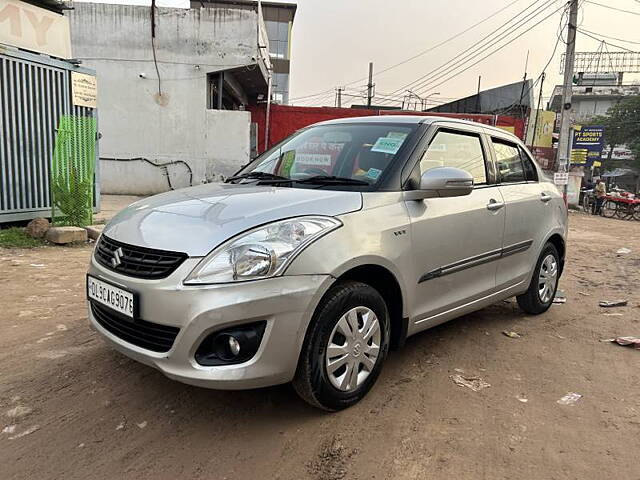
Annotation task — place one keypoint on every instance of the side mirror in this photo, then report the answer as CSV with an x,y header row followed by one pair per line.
x,y
443,182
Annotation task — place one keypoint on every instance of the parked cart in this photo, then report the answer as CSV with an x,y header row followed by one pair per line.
x,y
622,206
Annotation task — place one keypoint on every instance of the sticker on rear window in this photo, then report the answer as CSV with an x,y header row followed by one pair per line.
x,y
397,135
387,145
373,173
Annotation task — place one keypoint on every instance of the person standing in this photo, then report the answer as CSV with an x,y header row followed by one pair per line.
x,y
600,191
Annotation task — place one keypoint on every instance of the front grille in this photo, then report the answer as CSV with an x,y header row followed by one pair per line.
x,y
152,336
136,261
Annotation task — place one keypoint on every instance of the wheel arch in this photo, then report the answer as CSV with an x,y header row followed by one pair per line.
x,y
386,283
558,241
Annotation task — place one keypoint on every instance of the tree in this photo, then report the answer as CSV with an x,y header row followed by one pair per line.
x,y
611,136
622,126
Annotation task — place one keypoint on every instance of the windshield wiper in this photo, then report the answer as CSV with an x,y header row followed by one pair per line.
x,y
257,176
332,180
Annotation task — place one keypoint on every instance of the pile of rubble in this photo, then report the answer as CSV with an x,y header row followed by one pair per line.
x,y
42,228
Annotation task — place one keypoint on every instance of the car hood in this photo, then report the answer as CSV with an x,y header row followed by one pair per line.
x,y
195,220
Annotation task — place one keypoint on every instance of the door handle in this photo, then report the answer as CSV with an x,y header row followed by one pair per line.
x,y
493,205
545,197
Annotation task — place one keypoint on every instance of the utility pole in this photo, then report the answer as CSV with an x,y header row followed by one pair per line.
x,y
339,97
535,122
370,85
524,81
478,95
564,140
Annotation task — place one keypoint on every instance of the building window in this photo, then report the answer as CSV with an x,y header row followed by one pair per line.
x,y
218,95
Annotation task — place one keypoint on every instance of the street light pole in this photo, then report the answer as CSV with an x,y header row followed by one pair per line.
x,y
564,140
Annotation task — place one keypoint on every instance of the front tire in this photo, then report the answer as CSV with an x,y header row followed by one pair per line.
x,y
345,347
542,289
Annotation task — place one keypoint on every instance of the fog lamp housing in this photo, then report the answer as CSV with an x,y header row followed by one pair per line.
x,y
231,346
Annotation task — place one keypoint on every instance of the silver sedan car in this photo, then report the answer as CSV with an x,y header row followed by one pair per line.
x,y
326,251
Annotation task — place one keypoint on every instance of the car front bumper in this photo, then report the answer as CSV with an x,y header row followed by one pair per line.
x,y
286,304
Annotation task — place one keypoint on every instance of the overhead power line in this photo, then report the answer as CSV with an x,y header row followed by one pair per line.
x,y
612,8
430,49
544,69
422,86
585,31
472,52
419,54
466,54
498,49
607,43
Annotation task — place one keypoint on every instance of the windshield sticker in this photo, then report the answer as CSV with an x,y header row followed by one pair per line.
x,y
387,145
314,159
397,135
373,173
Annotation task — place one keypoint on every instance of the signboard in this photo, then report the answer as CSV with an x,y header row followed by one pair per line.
x,y
544,122
26,26
587,145
561,178
84,90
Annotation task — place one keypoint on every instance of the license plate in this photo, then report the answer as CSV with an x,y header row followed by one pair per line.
x,y
111,296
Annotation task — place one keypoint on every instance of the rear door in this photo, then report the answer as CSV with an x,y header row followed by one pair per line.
x,y
527,211
456,241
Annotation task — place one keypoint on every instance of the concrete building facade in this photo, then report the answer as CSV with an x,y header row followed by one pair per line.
x,y
592,98
173,86
278,20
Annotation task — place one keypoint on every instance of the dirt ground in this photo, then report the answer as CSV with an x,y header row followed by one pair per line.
x,y
72,408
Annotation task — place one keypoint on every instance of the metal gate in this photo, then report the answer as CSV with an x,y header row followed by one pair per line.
x,y
35,92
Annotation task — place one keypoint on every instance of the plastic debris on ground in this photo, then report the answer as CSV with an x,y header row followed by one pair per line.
x,y
28,431
560,297
511,334
633,342
474,383
570,399
613,303
585,294
623,251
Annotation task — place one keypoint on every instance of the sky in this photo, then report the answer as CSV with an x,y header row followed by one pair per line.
x,y
334,40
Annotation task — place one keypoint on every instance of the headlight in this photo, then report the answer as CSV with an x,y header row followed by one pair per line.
x,y
262,252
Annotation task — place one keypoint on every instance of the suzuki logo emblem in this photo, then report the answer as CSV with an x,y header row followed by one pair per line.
x,y
117,257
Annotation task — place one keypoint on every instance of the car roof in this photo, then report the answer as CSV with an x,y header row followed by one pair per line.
x,y
409,120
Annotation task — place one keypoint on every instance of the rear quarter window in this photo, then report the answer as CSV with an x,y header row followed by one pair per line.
x,y
530,172
509,162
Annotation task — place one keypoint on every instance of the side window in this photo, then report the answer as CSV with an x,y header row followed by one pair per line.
x,y
530,171
510,167
460,150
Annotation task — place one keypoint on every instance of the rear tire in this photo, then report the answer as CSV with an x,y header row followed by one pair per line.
x,y
537,299
332,340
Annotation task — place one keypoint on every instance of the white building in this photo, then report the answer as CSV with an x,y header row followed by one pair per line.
x,y
172,95
592,98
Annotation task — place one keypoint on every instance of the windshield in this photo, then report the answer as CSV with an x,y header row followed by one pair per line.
x,y
355,154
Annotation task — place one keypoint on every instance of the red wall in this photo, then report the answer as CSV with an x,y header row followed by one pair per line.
x,y
285,120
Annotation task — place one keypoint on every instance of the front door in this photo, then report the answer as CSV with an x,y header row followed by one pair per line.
x,y
456,241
